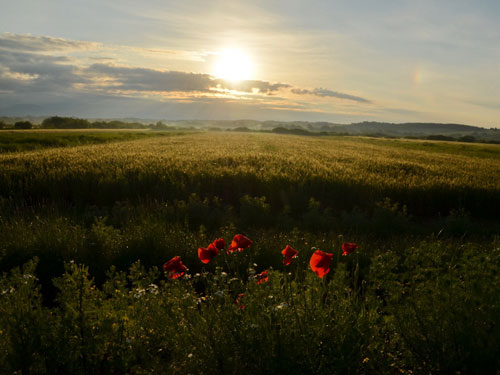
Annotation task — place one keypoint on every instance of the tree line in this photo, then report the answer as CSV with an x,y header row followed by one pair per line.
x,y
57,122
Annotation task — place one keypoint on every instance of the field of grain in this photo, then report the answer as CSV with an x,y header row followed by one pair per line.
x,y
92,225
339,172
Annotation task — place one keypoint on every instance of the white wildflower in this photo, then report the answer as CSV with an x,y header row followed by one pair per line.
x,y
153,289
8,291
139,292
281,306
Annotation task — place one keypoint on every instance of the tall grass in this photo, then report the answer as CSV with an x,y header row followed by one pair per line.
x,y
16,141
419,297
338,172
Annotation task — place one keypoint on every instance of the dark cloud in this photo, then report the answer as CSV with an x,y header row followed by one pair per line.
x,y
140,79
329,93
95,105
14,59
35,72
25,66
31,43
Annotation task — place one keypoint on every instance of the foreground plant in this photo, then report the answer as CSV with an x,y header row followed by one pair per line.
x,y
239,243
175,268
289,253
320,262
348,248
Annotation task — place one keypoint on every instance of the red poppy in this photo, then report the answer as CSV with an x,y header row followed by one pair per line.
x,y
240,242
207,254
262,277
320,263
289,254
348,248
219,243
238,301
175,268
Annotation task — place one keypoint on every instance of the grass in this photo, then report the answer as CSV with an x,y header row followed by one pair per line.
x,y
418,297
16,141
440,147
340,173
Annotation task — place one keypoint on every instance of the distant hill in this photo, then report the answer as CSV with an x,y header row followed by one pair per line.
x,y
420,130
431,131
409,128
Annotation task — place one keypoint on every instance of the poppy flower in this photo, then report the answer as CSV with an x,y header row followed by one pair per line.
x,y
219,243
175,268
262,277
289,254
240,242
320,263
348,248
207,254
238,301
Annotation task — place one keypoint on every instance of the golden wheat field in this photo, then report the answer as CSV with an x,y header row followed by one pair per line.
x,y
378,163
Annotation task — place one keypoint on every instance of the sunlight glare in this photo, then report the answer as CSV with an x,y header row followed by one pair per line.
x,y
233,65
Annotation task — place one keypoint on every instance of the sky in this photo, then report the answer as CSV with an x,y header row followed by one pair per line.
x,y
336,61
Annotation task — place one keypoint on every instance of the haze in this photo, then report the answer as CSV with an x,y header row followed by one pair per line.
x,y
339,61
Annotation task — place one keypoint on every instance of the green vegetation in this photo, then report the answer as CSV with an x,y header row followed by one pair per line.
x,y
341,173
57,122
23,125
34,140
420,295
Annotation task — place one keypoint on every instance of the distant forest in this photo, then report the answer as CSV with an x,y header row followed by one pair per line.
x,y
430,131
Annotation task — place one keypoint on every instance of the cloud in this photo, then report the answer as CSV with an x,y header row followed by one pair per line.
x,y
44,72
329,93
32,43
142,79
22,72
24,59
251,85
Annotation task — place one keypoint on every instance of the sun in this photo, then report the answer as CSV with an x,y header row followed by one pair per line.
x,y
233,65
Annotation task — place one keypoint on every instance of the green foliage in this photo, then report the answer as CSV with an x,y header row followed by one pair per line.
x,y
398,305
23,125
443,304
35,140
390,217
254,210
432,308
24,322
57,122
